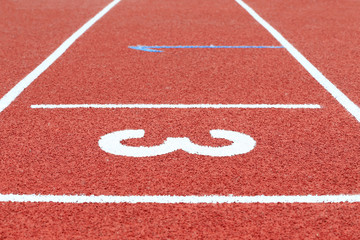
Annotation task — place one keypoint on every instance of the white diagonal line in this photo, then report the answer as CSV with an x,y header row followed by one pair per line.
x,y
319,77
10,96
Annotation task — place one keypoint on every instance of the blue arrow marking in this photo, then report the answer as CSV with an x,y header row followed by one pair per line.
x,y
153,48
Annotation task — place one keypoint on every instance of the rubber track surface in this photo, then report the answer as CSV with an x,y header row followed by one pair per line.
x,y
298,151
127,221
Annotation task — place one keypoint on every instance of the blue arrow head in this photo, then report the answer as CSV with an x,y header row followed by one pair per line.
x,y
144,48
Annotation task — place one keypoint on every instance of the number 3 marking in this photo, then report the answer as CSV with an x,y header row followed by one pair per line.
x,y
111,143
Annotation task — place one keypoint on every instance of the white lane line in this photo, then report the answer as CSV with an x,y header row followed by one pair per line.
x,y
166,199
291,106
330,87
9,97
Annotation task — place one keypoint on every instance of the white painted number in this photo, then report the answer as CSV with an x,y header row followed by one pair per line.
x,y
111,143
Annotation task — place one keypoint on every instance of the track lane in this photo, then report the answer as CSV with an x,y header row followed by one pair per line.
x,y
297,152
181,75
46,143
55,151
60,147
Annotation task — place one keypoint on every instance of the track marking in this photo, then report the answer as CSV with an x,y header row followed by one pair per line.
x,y
241,143
9,97
320,78
166,199
150,48
291,106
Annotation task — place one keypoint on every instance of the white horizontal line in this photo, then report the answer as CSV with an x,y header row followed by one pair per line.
x,y
164,199
53,106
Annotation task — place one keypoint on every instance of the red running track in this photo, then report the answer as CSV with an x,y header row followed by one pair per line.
x,y
298,151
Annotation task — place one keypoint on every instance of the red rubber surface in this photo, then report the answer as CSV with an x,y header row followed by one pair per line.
x,y
298,152
180,221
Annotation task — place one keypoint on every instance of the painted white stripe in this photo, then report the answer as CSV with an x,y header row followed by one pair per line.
x,y
9,97
330,87
164,199
52,106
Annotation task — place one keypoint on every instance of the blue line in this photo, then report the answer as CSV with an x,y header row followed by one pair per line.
x,y
151,48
